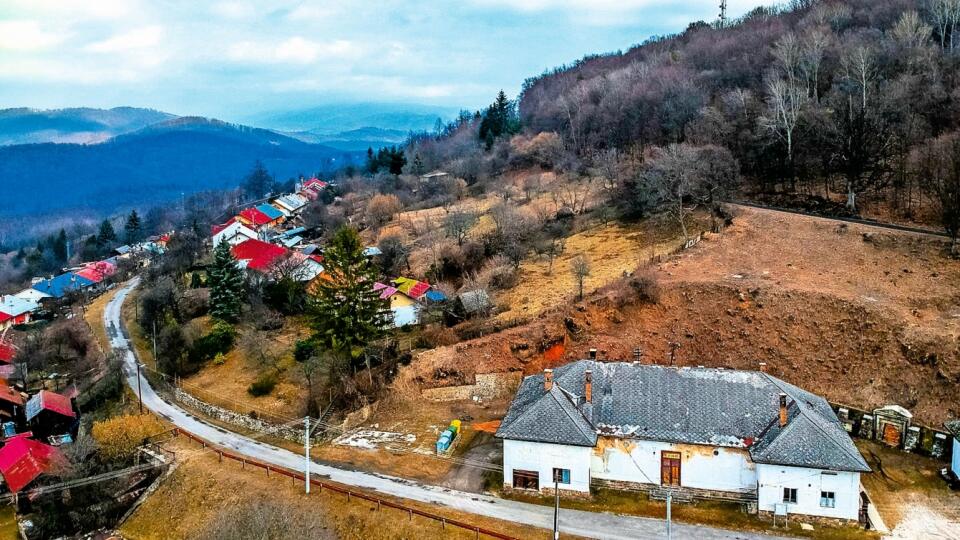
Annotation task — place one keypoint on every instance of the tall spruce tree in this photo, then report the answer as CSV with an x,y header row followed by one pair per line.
x,y
60,246
107,235
347,314
133,228
258,182
227,285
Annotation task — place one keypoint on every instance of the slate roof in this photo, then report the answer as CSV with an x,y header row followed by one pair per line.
x,y
705,406
953,426
59,286
474,301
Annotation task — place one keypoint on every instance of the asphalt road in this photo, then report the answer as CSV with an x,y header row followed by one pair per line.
x,y
581,523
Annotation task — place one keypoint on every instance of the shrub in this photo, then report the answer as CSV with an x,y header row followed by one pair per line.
x,y
219,340
304,349
219,359
119,437
646,287
264,384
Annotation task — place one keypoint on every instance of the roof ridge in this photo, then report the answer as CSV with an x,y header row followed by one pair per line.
x,y
574,420
803,412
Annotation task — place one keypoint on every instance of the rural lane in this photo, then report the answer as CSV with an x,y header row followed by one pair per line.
x,y
581,523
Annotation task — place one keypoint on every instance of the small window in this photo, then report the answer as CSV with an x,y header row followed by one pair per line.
x,y
790,495
828,499
561,476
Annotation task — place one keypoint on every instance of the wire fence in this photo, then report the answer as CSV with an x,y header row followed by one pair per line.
x,y
348,492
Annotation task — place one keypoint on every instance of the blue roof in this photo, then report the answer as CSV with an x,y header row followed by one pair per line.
x,y
59,286
434,295
270,211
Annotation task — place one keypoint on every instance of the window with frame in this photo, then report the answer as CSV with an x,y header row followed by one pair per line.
x,y
561,476
790,495
828,499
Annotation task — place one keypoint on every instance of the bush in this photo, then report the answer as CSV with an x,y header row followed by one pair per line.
x,y
304,349
219,340
119,437
646,287
264,384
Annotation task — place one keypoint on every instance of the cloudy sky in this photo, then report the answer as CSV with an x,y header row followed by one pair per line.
x,y
230,59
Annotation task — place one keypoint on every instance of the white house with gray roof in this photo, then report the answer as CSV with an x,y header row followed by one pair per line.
x,y
699,432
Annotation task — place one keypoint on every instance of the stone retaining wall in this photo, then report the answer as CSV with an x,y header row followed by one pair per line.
x,y
487,386
292,433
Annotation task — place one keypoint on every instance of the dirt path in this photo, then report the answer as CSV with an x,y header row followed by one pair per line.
x,y
484,448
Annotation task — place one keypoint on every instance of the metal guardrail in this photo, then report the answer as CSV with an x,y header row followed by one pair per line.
x,y
350,493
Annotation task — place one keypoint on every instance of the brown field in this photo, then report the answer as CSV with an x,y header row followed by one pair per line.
x,y
201,487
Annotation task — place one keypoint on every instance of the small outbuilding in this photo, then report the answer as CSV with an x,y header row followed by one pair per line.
x,y
473,303
953,427
23,460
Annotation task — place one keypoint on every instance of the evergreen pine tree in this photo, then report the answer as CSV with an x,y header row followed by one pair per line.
x,y
132,228
347,314
60,246
258,182
107,235
226,283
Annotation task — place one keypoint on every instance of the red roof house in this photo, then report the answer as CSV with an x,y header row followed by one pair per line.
x,y
98,271
7,351
254,218
46,400
22,460
259,255
214,229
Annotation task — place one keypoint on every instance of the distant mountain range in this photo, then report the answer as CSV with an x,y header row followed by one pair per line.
x,y
57,162
336,118
79,125
151,165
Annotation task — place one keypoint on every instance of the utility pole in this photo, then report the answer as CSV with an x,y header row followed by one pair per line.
x,y
139,389
556,506
723,14
669,500
306,449
155,342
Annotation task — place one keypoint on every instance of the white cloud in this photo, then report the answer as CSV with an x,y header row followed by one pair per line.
x,y
295,50
77,9
234,10
137,38
26,36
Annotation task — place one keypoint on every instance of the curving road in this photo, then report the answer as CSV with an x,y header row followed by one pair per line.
x,y
581,523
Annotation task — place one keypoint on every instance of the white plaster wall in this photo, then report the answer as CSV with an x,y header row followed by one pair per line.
x,y
543,457
955,463
809,483
639,461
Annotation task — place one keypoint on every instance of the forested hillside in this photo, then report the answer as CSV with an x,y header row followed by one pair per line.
x,y
153,165
847,106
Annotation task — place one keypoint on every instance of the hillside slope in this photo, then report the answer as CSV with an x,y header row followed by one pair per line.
x,y
861,317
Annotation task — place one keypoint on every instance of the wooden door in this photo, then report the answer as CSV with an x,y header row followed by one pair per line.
x,y
891,435
670,468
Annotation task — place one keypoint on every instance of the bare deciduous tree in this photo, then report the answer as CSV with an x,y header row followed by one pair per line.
x,y
458,224
580,268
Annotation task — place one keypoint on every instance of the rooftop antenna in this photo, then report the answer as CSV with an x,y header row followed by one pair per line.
x,y
722,23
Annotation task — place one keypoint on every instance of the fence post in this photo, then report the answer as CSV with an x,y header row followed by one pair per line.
x,y
220,455
443,523
378,505
348,495
411,514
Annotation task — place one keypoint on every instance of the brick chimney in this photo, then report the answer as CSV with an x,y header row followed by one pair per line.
x,y
783,409
763,367
588,386
547,379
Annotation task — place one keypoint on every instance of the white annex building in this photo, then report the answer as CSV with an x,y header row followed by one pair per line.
x,y
702,432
